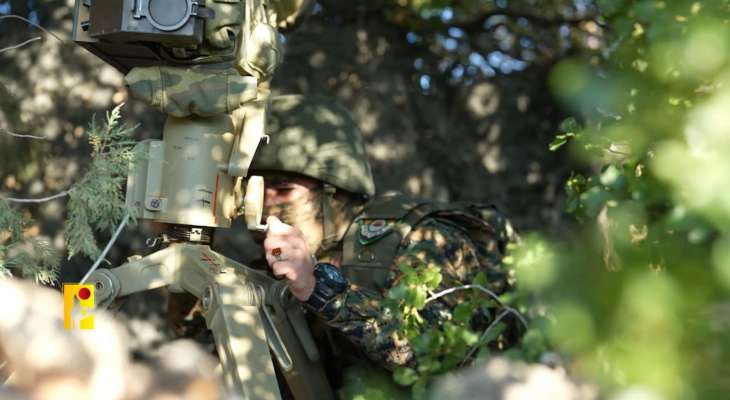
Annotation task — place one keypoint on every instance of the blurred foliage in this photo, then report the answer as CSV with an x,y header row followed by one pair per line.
x,y
638,305
455,343
96,204
636,298
32,258
437,349
363,382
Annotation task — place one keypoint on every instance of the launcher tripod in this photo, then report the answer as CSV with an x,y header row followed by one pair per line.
x,y
179,56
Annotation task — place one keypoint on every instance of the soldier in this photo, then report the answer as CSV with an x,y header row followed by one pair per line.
x,y
340,249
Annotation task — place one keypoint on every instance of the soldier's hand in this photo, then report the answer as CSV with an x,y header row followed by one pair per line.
x,y
288,256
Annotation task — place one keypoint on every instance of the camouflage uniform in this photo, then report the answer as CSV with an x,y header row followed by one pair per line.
x,y
375,248
318,138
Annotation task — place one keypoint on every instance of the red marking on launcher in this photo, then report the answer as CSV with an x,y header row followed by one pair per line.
x,y
215,198
206,257
210,261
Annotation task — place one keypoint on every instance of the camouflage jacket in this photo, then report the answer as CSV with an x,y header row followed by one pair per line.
x,y
395,231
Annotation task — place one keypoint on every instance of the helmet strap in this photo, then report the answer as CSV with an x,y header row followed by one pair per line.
x,y
328,213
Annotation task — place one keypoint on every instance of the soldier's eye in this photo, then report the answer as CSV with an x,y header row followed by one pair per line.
x,y
282,186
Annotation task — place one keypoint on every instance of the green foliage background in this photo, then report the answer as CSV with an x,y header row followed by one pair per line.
x,y
636,297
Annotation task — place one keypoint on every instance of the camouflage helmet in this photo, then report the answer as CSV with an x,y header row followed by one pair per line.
x,y
317,137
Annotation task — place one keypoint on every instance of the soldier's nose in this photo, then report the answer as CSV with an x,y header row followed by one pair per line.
x,y
270,197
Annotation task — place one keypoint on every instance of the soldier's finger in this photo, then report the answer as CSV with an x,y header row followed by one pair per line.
x,y
280,254
286,247
276,227
286,243
273,242
285,269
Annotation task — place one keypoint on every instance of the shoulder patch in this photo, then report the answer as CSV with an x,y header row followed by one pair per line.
x,y
370,230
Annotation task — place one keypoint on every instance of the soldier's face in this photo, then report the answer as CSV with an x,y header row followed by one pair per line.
x,y
297,201
283,189
293,199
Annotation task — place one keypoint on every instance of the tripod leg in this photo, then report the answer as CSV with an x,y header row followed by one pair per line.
x,y
233,304
144,273
231,310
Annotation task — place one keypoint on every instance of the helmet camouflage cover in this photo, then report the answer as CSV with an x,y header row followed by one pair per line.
x,y
317,137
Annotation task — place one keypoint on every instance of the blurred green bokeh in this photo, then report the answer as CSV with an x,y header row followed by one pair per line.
x,y
641,301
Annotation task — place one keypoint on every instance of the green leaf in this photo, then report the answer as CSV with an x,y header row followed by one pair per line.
x,y
398,292
480,279
423,344
469,337
562,139
405,376
594,199
462,312
558,142
495,332
569,126
406,269
419,299
572,205
434,367
534,344
419,388
432,277
612,177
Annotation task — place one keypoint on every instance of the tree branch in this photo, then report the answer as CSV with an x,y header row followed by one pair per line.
x,y
483,290
4,49
39,200
107,248
20,135
484,336
13,16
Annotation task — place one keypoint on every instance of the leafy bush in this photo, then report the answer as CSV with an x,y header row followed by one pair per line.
x,y
638,303
636,298
96,204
